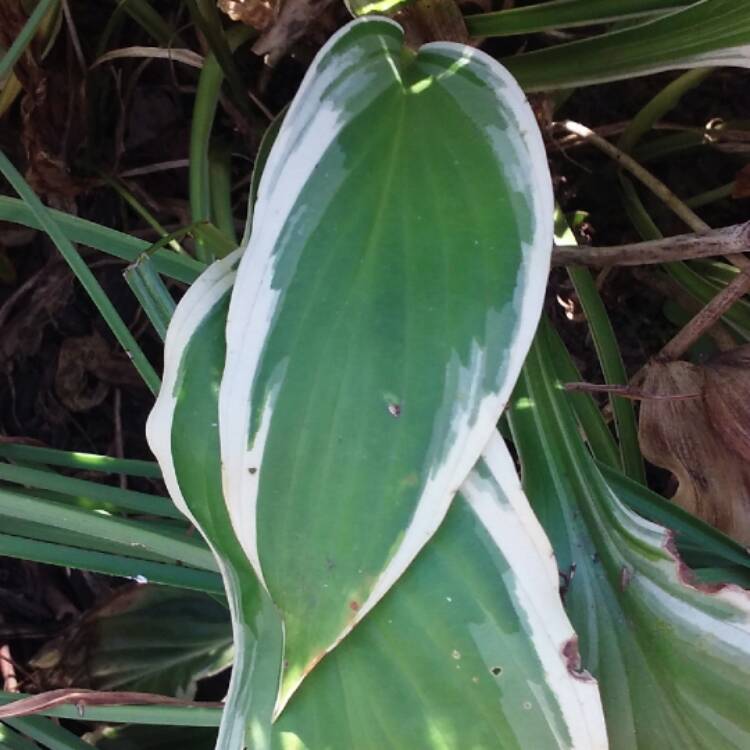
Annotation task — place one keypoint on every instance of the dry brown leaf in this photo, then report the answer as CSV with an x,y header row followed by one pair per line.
x,y
293,21
699,441
258,14
727,396
432,20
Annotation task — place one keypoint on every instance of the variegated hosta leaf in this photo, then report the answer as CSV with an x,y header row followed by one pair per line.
x,y
672,657
382,309
470,648
183,433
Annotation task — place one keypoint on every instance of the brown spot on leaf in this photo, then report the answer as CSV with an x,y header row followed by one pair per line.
x,y
626,575
572,657
354,606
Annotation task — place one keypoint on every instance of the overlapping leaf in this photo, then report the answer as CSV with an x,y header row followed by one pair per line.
x,y
376,323
470,646
380,314
672,656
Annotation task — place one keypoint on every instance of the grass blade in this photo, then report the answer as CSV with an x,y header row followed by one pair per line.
x,y
22,41
562,14
135,534
166,574
84,275
121,499
191,716
83,461
705,33
151,292
109,241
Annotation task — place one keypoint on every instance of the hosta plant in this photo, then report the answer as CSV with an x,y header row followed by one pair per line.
x,y
329,395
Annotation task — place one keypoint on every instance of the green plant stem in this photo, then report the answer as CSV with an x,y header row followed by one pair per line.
x,y
83,461
108,564
220,179
25,36
83,274
185,716
136,534
711,196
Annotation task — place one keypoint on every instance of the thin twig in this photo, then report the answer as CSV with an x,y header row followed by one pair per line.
x,y
719,305
727,241
628,391
626,161
161,166
706,318
82,698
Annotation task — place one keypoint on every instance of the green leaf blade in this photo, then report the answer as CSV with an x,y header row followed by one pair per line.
x,y
671,656
379,312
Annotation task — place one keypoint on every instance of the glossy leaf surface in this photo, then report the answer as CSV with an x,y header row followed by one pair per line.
x,y
381,311
672,657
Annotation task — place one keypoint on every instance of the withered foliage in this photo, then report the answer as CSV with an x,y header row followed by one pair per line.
x,y
52,111
704,440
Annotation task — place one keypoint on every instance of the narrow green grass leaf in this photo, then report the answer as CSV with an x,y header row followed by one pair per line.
x,y
76,460
189,716
78,538
116,497
48,733
560,14
204,112
110,241
11,740
151,293
705,33
610,359
136,534
25,36
165,574
83,274
220,179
